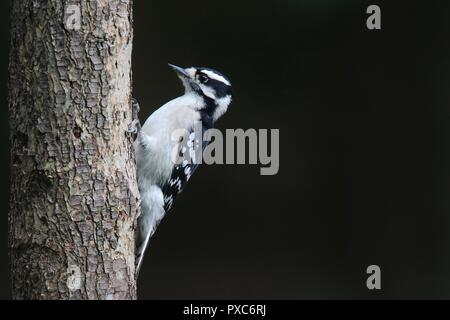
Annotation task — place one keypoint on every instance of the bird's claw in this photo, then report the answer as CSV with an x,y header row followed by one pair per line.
x,y
134,127
135,106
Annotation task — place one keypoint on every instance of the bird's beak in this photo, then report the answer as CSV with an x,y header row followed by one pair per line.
x,y
186,78
180,71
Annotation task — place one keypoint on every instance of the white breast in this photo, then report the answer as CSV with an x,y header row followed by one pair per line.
x,y
155,143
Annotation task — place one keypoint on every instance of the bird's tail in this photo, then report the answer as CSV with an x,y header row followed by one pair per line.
x,y
152,203
140,250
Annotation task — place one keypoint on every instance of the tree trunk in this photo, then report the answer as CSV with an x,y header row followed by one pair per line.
x,y
74,196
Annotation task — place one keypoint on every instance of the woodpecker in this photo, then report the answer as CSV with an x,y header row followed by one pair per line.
x,y
207,95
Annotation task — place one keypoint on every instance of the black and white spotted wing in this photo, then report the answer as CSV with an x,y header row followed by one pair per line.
x,y
182,172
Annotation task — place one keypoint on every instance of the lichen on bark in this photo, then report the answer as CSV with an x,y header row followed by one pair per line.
x,y
74,196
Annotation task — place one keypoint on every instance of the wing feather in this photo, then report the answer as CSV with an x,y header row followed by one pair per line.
x,y
182,172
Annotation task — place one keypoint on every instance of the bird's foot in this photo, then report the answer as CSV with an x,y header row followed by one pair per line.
x,y
135,125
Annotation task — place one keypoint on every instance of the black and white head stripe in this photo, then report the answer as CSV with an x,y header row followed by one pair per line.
x,y
210,84
214,75
214,80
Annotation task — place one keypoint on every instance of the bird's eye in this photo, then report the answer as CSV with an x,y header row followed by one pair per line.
x,y
202,78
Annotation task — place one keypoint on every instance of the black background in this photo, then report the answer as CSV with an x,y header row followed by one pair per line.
x,y
364,175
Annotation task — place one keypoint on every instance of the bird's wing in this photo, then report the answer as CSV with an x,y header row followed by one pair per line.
x,y
182,172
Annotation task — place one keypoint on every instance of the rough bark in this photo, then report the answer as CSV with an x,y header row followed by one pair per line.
x,y
74,196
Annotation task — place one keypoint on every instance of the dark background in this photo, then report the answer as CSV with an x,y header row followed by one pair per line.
x,y
364,158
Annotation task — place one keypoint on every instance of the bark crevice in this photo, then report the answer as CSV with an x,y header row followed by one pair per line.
x,y
74,196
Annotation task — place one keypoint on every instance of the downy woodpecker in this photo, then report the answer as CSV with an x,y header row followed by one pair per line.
x,y
206,98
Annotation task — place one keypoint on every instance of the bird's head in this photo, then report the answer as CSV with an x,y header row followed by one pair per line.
x,y
210,84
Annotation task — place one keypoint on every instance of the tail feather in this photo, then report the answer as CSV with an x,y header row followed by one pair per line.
x,y
152,203
140,253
